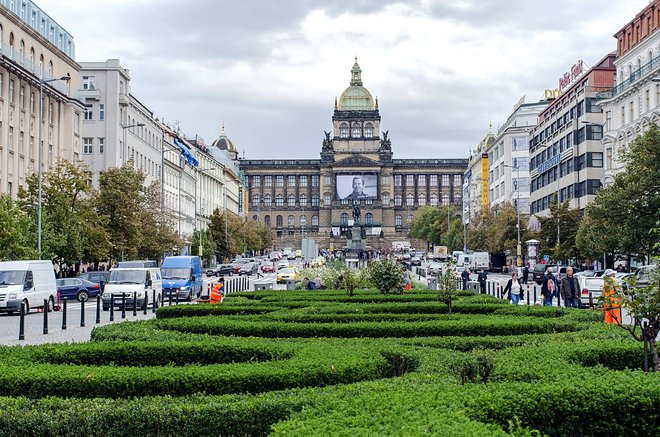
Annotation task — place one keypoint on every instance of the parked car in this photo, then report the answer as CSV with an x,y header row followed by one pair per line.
x,y
221,270
268,267
643,275
29,283
415,261
287,273
283,265
96,277
590,285
538,273
249,269
145,282
77,288
590,273
434,269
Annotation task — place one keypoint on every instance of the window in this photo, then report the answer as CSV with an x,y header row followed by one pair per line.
x,y
397,200
421,199
315,181
256,181
397,180
327,180
267,220
87,146
279,180
368,130
50,113
101,145
291,182
343,218
303,220
386,200
279,221
268,181
255,199
410,217
76,122
315,220
356,131
89,113
255,218
410,180
445,180
433,180
397,220
88,82
421,180
31,102
343,130
410,199
11,91
445,199
369,218
458,180
291,221
303,181
522,164
315,200
101,111
519,143
434,199
327,200
303,200
268,200
595,159
279,200
386,180
291,201
594,132
10,145
21,97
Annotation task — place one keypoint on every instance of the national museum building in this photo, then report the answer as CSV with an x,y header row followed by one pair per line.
x,y
313,198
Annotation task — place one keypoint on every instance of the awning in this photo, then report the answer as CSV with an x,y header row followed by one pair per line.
x,y
185,151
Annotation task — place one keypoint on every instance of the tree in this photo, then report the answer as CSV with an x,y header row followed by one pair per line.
x,y
386,276
14,232
156,229
568,220
430,224
208,245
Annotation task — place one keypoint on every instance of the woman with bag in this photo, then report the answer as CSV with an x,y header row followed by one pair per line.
x,y
514,289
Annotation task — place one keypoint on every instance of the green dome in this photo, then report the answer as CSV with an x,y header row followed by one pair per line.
x,y
356,97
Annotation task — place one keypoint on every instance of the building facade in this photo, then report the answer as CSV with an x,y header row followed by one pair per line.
x,y
634,102
313,198
35,53
565,147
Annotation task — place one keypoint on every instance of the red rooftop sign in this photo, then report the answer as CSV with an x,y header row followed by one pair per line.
x,y
570,76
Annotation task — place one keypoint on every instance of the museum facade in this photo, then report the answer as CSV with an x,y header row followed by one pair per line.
x,y
314,198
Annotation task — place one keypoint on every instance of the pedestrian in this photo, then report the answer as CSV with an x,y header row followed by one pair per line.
x,y
570,289
406,278
547,296
525,275
482,277
514,289
612,307
465,276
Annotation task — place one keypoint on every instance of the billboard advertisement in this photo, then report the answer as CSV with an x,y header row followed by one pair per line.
x,y
357,186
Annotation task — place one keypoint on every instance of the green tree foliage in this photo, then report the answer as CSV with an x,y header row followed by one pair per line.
x,y
233,235
386,276
569,221
429,223
497,232
208,244
71,227
15,227
629,207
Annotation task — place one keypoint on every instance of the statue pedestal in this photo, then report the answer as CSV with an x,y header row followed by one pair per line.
x,y
355,245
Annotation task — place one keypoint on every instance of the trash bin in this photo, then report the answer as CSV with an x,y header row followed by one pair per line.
x,y
290,284
433,283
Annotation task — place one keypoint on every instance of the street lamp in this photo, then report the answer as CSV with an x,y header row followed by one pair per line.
x,y
123,145
41,122
518,247
198,172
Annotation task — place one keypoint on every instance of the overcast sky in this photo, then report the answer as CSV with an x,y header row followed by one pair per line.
x,y
442,69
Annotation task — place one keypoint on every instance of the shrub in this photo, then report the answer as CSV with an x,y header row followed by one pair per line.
x,y
386,276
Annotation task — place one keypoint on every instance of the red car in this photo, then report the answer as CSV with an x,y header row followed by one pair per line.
x,y
268,268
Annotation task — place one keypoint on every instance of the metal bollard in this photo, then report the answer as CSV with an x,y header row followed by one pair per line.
x,y
82,314
21,323
591,301
98,309
123,305
177,297
146,303
112,308
45,316
64,314
134,304
153,303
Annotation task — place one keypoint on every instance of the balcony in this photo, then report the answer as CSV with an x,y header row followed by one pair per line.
x,y
123,99
89,94
636,75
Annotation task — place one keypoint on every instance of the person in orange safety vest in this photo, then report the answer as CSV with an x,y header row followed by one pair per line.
x,y
218,291
612,309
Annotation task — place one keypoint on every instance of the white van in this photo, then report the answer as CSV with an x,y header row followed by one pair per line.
x,y
28,282
141,281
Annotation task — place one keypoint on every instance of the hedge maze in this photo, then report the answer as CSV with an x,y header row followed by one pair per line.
x,y
323,363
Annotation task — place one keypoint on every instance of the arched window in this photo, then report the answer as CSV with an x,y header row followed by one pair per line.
x,y
32,57
267,200
11,44
255,199
434,199
368,130
356,130
279,200
397,200
21,49
421,199
292,200
344,218
368,218
279,221
315,220
303,220
410,199
50,68
303,200
41,65
267,220
397,220
255,218
291,221
343,130
457,199
445,199
410,217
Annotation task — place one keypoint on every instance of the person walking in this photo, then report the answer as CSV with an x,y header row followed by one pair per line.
x,y
482,277
525,275
548,296
514,289
612,307
569,289
406,278
465,276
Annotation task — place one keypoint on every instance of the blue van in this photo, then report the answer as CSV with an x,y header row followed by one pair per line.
x,y
182,276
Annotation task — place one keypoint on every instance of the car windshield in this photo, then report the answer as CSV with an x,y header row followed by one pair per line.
x,y
175,273
127,277
12,277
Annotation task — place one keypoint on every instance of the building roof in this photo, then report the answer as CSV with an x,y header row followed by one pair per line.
x,y
356,97
224,143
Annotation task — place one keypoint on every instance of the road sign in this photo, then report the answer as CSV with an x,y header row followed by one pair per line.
x,y
546,258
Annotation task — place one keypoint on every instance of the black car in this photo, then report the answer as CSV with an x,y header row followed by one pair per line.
x,y
220,270
249,269
100,277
